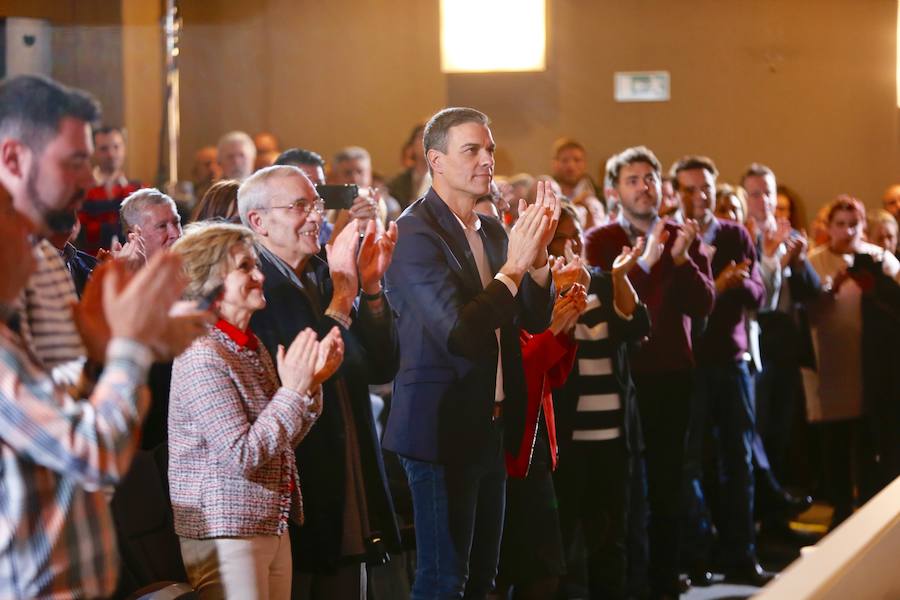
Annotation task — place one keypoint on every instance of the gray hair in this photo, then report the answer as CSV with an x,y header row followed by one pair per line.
x,y
131,211
438,126
351,153
254,193
235,136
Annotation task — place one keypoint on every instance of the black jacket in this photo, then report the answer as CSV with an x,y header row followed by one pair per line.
x,y
622,334
370,356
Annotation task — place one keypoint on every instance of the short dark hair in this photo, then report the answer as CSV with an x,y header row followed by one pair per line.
x,y
32,106
566,143
298,156
756,170
439,125
626,157
107,129
689,162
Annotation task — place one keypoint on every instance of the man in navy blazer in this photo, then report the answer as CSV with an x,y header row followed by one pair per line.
x,y
462,291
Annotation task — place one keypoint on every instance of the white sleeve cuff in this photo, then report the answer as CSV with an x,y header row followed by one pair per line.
x,y
541,275
643,265
508,282
622,315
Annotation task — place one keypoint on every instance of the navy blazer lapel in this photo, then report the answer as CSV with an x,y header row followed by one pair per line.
x,y
455,238
494,240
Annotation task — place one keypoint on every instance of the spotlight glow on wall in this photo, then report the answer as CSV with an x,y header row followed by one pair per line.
x,y
479,36
898,54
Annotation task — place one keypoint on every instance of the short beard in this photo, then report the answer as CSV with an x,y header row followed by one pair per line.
x,y
55,220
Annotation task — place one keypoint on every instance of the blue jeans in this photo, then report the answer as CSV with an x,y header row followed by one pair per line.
x,y
723,402
459,521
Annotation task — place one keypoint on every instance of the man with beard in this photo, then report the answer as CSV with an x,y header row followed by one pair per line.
x,y
45,162
61,453
674,280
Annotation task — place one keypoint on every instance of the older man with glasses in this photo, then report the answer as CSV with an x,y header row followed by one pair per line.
x,y
349,512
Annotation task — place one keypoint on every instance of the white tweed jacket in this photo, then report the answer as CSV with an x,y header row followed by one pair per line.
x,y
232,433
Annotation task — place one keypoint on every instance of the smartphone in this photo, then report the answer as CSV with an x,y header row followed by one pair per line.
x,y
206,301
338,196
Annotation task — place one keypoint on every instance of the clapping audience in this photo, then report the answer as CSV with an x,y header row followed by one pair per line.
x,y
545,379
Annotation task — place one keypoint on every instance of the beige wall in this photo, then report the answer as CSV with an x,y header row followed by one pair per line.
x,y
321,75
807,86
142,86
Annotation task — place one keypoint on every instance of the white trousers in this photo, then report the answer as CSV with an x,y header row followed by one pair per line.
x,y
255,568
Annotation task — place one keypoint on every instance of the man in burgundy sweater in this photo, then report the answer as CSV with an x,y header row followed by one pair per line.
x,y
723,391
674,280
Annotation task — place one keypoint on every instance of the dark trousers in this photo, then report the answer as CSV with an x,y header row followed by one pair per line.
x,y
638,548
778,388
723,402
459,520
664,404
531,553
592,484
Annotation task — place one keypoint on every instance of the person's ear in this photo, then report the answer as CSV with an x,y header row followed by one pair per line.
x,y
257,223
15,158
435,159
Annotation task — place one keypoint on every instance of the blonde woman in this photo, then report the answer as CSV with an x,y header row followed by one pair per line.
x,y
233,427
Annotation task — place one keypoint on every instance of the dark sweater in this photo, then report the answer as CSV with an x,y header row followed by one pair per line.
x,y
725,338
673,295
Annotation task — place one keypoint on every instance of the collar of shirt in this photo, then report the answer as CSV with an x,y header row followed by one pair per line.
x,y
476,225
633,232
710,234
68,252
245,339
116,179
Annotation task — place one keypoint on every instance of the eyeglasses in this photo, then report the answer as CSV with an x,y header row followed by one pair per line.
x,y
304,206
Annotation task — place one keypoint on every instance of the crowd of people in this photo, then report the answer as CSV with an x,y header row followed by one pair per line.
x,y
461,385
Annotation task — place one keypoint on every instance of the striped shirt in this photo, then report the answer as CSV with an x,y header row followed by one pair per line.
x,y
45,315
599,410
57,454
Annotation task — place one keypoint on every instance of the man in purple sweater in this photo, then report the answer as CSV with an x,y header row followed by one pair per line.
x,y
723,395
674,280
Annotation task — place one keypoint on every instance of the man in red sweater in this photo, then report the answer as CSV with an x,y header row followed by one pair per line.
x,y
674,280
723,395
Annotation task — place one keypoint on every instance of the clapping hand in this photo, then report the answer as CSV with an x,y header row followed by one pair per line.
x,y
297,364
375,255
341,251
687,233
626,260
569,270
331,354
773,237
655,243
567,309
132,254
733,275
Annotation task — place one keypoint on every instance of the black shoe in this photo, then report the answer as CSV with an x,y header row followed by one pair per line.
x,y
793,505
750,573
772,499
700,576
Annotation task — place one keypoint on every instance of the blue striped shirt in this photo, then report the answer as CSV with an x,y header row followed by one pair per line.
x,y
57,455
